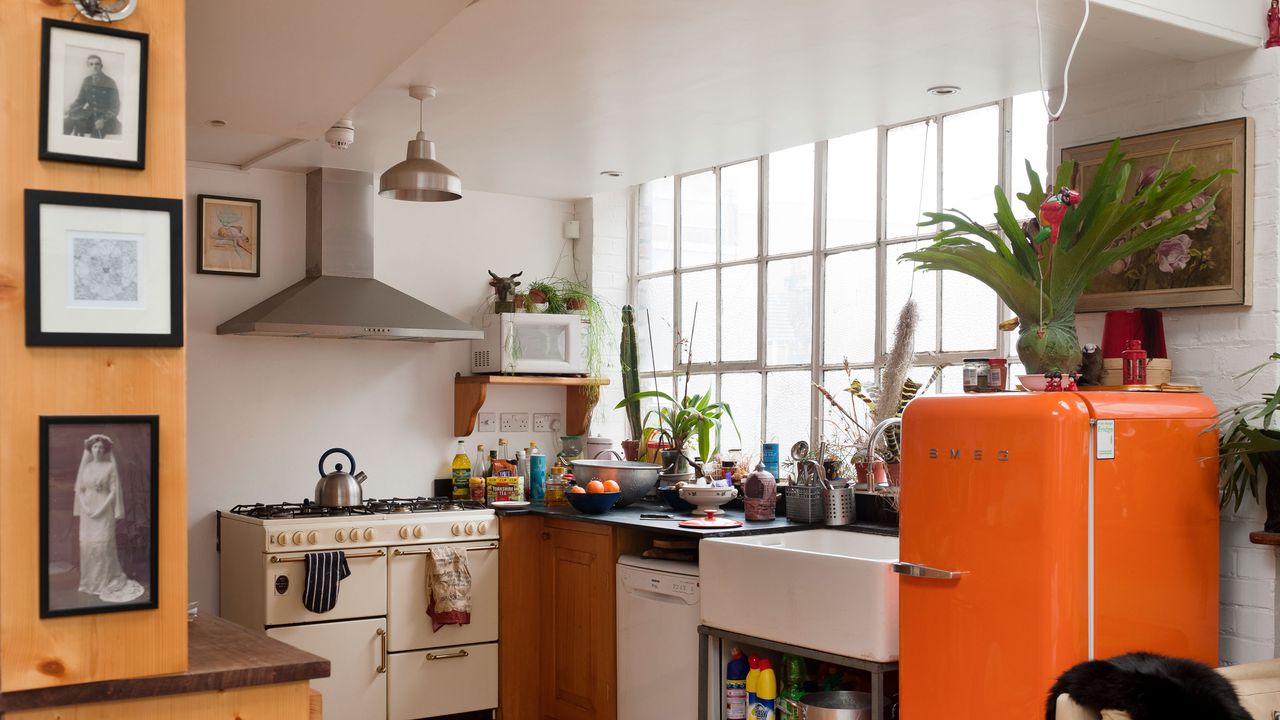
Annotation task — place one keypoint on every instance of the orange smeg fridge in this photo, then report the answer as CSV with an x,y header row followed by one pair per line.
x,y
1040,530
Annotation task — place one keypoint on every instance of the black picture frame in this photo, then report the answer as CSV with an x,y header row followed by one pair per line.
x,y
151,331
203,265
131,152
101,574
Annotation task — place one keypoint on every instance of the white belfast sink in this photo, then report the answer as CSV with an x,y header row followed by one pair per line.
x,y
830,590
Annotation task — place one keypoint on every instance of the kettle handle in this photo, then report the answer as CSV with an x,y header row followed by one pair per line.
x,y
331,451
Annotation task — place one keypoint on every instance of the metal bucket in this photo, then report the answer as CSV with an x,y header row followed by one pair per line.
x,y
836,705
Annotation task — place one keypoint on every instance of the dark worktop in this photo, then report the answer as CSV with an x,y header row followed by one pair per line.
x,y
221,656
629,517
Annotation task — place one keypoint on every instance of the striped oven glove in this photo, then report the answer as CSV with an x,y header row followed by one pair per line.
x,y
323,572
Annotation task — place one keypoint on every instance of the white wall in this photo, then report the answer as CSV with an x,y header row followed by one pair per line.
x,y
262,410
1212,345
603,251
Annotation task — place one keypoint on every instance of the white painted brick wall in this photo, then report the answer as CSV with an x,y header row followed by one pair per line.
x,y
1212,345
603,251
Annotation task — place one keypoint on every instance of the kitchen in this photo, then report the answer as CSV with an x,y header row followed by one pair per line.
x,y
579,91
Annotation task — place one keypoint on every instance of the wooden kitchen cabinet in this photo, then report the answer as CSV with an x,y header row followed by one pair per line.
x,y
557,637
579,676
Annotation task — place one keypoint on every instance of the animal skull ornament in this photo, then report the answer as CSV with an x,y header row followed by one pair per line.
x,y
504,286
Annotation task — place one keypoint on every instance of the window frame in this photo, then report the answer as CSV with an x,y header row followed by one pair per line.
x,y
818,252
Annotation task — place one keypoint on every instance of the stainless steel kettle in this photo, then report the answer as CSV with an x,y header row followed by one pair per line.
x,y
338,488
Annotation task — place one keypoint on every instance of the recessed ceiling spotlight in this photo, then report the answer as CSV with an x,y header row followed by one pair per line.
x,y
611,173
217,123
944,90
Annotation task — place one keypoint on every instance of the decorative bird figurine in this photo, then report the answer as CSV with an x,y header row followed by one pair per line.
x,y
1054,209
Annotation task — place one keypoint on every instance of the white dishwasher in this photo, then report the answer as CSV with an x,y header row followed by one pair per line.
x,y
658,620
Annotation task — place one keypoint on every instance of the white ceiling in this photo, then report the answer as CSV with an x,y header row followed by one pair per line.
x,y
538,97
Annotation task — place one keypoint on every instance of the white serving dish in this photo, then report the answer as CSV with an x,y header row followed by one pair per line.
x,y
707,497
828,590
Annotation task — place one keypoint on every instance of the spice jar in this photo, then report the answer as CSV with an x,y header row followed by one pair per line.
x,y
998,375
977,374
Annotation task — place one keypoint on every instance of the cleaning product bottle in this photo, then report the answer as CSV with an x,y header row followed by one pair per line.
x,y
461,473
735,687
765,705
792,686
753,675
537,473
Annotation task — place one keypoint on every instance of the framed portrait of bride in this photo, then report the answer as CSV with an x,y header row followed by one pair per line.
x,y
99,512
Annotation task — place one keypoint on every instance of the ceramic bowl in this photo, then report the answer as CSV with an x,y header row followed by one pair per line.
x,y
707,497
593,503
1035,383
671,496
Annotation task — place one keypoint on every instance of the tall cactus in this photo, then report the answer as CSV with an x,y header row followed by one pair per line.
x,y
630,371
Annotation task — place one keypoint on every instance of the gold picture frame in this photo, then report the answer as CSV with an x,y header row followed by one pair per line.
x,y
1211,264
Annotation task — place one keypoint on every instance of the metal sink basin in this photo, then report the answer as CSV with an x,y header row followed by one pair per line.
x,y
829,590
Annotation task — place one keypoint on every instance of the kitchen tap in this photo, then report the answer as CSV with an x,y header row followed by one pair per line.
x,y
880,429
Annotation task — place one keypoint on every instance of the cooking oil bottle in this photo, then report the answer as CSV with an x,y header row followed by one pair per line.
x,y
461,473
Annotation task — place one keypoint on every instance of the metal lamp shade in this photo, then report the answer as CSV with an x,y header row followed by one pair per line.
x,y
420,177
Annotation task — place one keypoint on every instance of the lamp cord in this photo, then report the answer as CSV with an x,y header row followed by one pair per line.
x,y
1066,70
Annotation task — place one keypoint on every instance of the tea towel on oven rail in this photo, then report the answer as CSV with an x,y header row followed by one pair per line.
x,y
322,573
448,587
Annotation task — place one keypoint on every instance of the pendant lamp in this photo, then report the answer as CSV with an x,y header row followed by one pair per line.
x,y
419,177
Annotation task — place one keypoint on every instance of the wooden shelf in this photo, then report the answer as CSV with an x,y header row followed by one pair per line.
x,y
580,396
1264,538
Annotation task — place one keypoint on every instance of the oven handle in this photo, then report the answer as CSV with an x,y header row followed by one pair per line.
x,y
382,635
398,552
351,556
446,656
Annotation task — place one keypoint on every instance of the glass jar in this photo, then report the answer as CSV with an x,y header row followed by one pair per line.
x,y
998,375
977,373
555,490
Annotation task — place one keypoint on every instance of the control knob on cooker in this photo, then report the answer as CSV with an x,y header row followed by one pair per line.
x,y
456,529
340,536
297,537
354,536
482,528
417,531
404,533
471,528
368,533
313,537
283,538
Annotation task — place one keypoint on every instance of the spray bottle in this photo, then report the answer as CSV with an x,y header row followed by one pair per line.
x,y
735,687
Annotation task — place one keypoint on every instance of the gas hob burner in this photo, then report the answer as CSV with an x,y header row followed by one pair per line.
x,y
304,509
396,506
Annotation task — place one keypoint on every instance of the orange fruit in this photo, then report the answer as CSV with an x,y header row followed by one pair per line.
x,y
577,490
611,486
595,486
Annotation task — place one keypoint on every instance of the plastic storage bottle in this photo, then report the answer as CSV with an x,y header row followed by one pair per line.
x,y
792,686
765,705
461,473
735,687
537,473
753,677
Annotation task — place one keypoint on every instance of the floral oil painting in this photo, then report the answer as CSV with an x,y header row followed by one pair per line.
x,y
98,513
1205,265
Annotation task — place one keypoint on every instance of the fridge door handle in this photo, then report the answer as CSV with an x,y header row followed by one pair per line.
x,y
924,571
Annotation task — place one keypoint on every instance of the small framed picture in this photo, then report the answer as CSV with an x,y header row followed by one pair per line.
x,y
93,95
99,513
103,270
229,235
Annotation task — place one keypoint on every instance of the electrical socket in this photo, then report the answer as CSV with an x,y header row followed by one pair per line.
x,y
546,422
486,422
514,422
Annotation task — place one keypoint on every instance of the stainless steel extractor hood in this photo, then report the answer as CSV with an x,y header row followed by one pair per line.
x,y
339,297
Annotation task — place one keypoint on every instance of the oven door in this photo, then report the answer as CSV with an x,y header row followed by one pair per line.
x,y
537,343
357,655
407,588
361,594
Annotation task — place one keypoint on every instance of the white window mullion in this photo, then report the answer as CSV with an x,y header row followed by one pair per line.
x,y
677,277
819,288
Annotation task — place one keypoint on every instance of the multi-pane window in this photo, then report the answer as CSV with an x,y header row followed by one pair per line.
x,y
771,273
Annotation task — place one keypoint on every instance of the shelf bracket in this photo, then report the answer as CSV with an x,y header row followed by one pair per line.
x,y
467,401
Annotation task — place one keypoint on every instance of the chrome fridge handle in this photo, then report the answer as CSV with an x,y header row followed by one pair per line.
x,y
924,571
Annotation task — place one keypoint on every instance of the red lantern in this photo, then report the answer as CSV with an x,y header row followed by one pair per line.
x,y
1135,363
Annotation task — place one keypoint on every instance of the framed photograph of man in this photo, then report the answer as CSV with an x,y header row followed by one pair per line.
x,y
228,236
103,270
93,95
99,512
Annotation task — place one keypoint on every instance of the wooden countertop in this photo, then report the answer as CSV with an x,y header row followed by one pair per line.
x,y
221,655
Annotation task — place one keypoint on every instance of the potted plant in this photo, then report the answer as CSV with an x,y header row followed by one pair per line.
x,y
544,297
1040,271
630,366
1249,440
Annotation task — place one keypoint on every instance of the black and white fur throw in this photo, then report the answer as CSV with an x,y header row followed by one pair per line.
x,y
1149,687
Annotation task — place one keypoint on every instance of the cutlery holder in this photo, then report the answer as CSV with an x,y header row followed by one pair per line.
x,y
838,505
804,503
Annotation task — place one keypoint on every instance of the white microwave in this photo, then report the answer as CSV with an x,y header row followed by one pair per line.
x,y
531,343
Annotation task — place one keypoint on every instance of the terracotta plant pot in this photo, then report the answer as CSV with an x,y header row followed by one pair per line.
x,y
575,304
631,449
875,472
520,300
893,471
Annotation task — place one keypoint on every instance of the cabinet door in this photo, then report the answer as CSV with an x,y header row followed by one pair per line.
x,y
578,640
356,651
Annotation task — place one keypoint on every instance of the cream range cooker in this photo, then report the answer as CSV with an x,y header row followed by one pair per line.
x,y
385,659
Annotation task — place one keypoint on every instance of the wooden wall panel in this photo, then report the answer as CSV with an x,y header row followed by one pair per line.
x,y
75,381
